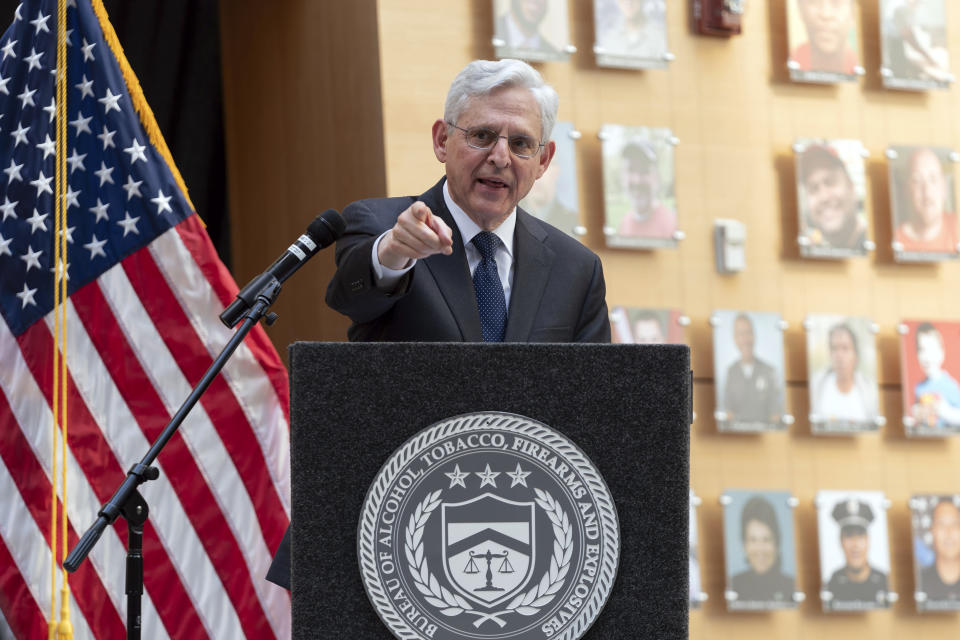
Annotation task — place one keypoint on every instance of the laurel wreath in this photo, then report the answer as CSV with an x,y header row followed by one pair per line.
x,y
524,604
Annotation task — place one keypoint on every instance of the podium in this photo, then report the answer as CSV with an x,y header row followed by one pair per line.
x,y
626,407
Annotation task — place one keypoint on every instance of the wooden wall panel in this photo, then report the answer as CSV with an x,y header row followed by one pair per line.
x,y
736,114
304,133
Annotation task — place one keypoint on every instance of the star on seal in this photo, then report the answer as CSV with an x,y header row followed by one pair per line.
x,y
456,478
518,477
487,477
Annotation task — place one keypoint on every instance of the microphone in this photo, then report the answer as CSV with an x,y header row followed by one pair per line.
x,y
322,232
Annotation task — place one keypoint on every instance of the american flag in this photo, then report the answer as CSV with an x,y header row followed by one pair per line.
x,y
145,287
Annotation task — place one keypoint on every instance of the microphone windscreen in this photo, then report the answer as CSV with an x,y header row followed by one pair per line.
x,y
326,228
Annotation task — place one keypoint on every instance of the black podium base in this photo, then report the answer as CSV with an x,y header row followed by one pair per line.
x,y
626,406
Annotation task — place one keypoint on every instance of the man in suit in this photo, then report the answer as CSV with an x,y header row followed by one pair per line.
x,y
462,262
405,265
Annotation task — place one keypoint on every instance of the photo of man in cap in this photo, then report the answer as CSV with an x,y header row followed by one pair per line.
x,y
831,217
855,585
648,215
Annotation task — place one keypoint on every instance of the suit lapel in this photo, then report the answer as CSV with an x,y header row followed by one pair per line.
x,y
452,274
531,270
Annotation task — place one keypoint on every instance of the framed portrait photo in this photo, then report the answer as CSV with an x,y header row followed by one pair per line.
x,y
935,523
929,368
555,198
631,34
640,204
534,30
831,188
823,42
749,371
643,325
923,203
697,596
854,550
914,45
842,361
760,550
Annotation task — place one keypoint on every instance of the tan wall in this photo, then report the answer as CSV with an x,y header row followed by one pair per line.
x,y
736,115
304,84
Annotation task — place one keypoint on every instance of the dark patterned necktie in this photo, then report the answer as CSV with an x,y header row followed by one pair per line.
x,y
488,288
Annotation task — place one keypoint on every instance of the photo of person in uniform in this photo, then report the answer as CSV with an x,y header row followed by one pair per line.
x,y
843,394
752,388
631,33
524,26
914,43
831,209
638,189
857,584
937,528
554,197
827,41
922,202
765,583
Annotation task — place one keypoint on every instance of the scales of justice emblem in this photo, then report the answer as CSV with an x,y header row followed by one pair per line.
x,y
488,561
488,525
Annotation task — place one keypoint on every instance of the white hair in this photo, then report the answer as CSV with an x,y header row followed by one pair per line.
x,y
483,77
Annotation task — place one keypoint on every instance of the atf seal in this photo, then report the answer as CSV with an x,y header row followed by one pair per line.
x,y
488,525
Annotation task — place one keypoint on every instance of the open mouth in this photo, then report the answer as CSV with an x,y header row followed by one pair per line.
x,y
493,183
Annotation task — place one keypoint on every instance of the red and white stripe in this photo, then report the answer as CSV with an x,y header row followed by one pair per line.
x,y
139,338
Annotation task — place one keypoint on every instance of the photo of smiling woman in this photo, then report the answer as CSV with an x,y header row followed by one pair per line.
x,y
842,360
760,554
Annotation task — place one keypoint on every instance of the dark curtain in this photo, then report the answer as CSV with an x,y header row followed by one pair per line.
x,y
174,48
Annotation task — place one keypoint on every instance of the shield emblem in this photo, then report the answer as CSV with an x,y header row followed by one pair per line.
x,y
488,547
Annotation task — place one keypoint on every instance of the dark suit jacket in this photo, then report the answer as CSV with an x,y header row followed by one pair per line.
x,y
558,293
756,399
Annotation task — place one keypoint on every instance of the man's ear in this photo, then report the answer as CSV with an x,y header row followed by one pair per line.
x,y
546,156
440,138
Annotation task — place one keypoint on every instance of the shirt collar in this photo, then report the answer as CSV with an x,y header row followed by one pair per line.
x,y
468,228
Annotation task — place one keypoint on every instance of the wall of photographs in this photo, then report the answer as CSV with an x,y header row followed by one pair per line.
x,y
835,151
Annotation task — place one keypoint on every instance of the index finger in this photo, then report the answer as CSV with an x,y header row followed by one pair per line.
x,y
441,229
421,211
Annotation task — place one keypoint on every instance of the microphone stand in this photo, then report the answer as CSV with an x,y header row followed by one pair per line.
x,y
127,500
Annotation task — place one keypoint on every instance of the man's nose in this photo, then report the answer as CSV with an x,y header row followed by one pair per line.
x,y
500,153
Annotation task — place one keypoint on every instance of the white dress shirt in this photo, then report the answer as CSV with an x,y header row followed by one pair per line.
x,y
386,277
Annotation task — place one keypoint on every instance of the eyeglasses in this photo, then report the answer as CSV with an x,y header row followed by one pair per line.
x,y
485,139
